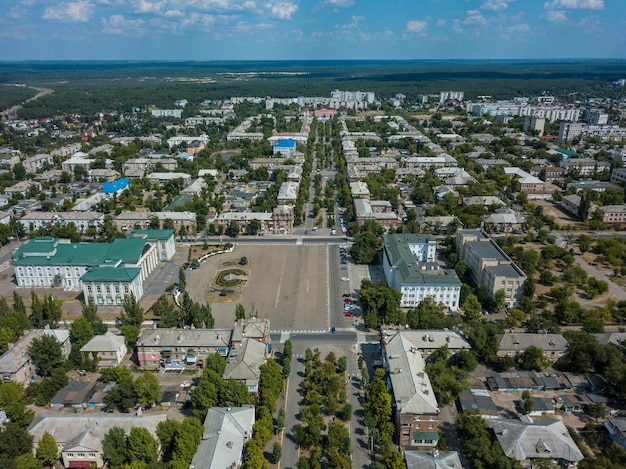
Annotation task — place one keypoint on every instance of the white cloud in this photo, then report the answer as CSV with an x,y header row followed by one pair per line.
x,y
118,25
340,3
517,28
474,17
70,12
575,4
148,6
353,24
416,26
441,22
496,5
283,10
556,16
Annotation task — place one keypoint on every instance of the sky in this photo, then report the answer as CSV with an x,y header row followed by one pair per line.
x,y
206,30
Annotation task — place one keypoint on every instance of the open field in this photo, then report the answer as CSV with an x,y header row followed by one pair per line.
x,y
288,284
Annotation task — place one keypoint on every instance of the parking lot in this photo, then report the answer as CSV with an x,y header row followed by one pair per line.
x,y
287,283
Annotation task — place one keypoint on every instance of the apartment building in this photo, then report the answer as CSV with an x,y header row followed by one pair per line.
x,y
127,221
82,220
409,266
613,214
37,162
416,411
618,176
279,221
490,266
284,148
379,211
585,166
177,113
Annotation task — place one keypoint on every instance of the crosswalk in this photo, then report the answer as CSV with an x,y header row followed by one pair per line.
x,y
285,335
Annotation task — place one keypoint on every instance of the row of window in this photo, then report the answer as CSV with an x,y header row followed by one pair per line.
x,y
30,272
107,289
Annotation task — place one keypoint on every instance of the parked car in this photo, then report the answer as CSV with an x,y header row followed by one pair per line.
x,y
345,279
347,295
348,314
344,267
347,299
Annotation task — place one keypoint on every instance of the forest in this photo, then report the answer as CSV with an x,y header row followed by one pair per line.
x,y
95,86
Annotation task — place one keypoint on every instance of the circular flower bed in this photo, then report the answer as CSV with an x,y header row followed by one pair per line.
x,y
230,277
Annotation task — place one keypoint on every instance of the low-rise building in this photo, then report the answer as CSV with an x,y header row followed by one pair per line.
x,y
490,266
554,346
109,349
526,440
617,429
285,148
244,363
571,204
37,162
584,166
16,364
434,459
478,400
409,267
82,220
226,431
379,211
504,220
280,221
428,341
416,411
21,189
618,176
613,214
288,192
180,348
80,437
128,221
162,178
359,190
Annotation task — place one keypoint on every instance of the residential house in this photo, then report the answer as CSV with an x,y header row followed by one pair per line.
x,y
552,173
78,160
584,167
617,429
526,440
80,436
226,432
244,363
195,147
16,364
180,348
359,190
428,341
554,346
127,221
288,192
109,349
434,459
137,167
618,176
486,201
571,204
33,164
82,220
379,211
163,178
613,214
21,189
504,220
490,266
416,411
478,400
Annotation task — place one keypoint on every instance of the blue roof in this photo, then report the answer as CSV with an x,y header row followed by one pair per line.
x,y
112,187
285,144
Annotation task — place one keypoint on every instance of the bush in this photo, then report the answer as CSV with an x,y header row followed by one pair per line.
x,y
243,261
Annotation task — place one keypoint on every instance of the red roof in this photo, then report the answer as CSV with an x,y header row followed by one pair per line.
x,y
79,464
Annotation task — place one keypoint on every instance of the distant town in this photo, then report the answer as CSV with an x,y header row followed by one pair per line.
x,y
352,280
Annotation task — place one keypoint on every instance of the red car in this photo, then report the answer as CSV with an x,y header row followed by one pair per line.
x,y
347,300
348,314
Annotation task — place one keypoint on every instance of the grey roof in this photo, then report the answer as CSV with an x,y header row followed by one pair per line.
x,y
108,342
432,338
525,439
432,460
520,341
225,432
477,399
605,338
411,386
71,429
185,337
245,362
17,355
487,250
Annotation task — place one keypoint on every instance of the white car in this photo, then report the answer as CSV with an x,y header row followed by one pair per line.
x,y
345,279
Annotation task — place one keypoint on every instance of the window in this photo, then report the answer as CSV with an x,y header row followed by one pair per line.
x,y
117,289
99,289
89,289
108,289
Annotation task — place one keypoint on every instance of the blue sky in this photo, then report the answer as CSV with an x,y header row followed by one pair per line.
x,y
311,29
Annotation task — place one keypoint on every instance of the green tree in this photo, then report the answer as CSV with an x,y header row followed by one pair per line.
x,y
166,432
47,450
141,445
240,312
81,332
146,387
90,313
25,461
132,313
277,452
46,353
187,440
114,447
584,242
596,410
471,307
533,358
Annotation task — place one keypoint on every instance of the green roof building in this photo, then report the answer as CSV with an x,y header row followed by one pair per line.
x,y
409,263
106,272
